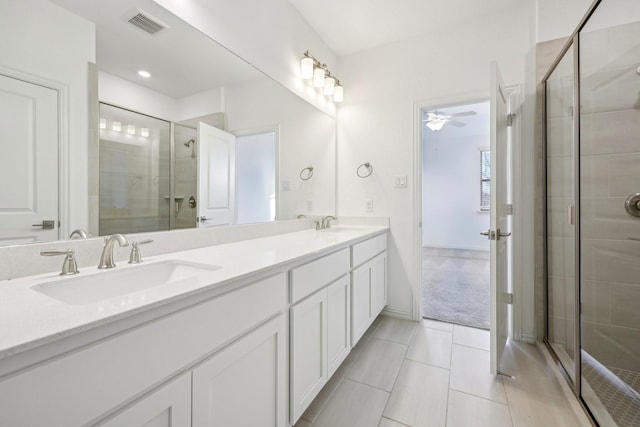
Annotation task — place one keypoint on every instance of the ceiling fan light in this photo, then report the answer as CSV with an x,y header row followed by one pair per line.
x,y
306,68
436,124
318,77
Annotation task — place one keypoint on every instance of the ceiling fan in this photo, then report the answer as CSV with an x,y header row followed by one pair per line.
x,y
436,120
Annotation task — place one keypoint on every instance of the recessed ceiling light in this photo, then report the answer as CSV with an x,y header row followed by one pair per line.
x,y
143,73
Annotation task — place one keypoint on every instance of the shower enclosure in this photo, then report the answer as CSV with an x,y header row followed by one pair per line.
x,y
592,152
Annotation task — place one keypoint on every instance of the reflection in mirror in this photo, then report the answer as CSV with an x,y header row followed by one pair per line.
x,y
124,181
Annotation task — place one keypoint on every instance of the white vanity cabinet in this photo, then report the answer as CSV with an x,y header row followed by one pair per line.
x,y
319,318
368,284
122,376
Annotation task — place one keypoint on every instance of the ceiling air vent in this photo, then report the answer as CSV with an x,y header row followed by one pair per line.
x,y
146,23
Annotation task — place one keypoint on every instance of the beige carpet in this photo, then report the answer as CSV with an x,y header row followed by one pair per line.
x,y
455,286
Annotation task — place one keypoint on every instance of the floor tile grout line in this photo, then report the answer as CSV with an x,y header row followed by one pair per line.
x,y
394,420
404,358
446,421
469,346
479,397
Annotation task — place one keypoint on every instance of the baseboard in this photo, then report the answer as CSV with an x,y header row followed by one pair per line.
x,y
462,248
398,314
529,338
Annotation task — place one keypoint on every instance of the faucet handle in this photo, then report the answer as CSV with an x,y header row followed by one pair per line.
x,y
136,257
69,266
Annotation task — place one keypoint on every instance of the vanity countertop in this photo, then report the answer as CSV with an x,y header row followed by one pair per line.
x,y
29,319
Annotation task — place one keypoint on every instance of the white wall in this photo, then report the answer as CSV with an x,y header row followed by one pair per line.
x,y
272,35
558,19
451,216
376,123
56,46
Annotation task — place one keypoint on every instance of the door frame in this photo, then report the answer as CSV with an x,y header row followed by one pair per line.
x,y
64,153
514,92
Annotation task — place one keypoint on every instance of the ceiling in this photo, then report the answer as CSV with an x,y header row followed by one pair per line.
x,y
350,26
123,49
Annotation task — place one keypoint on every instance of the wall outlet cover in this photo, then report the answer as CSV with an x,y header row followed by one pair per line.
x,y
400,181
286,185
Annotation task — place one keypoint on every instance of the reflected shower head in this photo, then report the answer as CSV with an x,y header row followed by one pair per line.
x,y
189,142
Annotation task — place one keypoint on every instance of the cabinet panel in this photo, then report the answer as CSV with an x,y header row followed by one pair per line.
x,y
315,275
166,407
339,323
379,283
244,385
360,301
308,351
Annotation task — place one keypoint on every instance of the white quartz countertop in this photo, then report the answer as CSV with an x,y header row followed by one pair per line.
x,y
29,319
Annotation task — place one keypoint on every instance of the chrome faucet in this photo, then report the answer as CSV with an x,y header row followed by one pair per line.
x,y
326,222
106,259
80,232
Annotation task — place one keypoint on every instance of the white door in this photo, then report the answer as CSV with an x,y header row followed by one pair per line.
x,y
28,162
499,233
216,176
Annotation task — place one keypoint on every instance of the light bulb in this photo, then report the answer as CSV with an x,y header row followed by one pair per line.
x,y
338,93
117,126
306,68
144,132
131,129
329,85
318,77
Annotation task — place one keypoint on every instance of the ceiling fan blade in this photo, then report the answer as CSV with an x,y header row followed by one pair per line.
x,y
456,124
463,114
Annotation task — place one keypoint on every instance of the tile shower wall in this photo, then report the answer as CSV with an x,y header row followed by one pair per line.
x,y
610,171
185,176
560,200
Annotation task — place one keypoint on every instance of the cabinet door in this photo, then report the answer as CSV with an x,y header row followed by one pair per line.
x,y
244,384
361,310
166,407
338,328
379,283
308,351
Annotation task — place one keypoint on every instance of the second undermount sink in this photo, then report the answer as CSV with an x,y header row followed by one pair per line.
x,y
103,285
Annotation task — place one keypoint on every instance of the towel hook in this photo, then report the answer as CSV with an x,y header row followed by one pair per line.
x,y
364,165
308,175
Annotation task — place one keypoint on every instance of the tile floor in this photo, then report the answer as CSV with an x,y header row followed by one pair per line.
x,y
404,373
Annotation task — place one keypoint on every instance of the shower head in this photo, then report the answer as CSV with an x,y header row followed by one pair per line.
x,y
189,142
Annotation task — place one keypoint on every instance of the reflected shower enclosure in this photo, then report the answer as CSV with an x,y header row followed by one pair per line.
x,y
134,183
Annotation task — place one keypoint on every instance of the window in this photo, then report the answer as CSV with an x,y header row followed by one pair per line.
x,y
485,180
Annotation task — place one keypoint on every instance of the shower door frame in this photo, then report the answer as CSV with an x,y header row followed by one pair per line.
x,y
572,41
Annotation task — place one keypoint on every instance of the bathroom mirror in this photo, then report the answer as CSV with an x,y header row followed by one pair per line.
x,y
90,52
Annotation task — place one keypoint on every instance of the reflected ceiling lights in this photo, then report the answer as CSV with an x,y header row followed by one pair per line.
x,y
311,68
144,73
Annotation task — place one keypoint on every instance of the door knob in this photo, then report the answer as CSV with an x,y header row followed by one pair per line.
x,y
632,205
203,219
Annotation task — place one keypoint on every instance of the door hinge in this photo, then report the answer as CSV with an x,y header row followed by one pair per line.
x,y
510,118
510,298
509,209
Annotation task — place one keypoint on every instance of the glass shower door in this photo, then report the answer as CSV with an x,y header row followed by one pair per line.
x,y
561,224
610,234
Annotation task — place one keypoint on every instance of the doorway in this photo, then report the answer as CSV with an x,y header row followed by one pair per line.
x,y
456,173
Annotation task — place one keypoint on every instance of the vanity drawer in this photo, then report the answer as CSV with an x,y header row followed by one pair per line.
x,y
366,250
84,385
317,274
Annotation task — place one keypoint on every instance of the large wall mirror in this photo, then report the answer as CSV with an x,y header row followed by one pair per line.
x,y
89,141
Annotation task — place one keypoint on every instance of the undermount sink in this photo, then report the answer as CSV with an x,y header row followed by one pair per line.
x,y
117,282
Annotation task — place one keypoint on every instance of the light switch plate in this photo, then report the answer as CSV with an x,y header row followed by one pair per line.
x,y
309,205
368,206
286,185
400,181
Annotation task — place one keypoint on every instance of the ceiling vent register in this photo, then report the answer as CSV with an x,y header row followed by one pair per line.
x,y
146,23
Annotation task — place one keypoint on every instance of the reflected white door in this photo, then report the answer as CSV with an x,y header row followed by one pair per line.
x,y
216,176
499,220
28,162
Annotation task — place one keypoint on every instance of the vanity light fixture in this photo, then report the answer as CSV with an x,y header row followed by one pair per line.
x,y
144,132
117,126
144,73
311,68
131,129
103,123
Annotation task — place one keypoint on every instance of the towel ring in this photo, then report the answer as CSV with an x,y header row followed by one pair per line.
x,y
365,165
308,175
